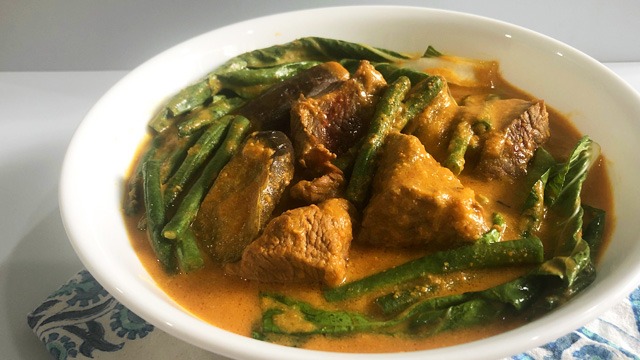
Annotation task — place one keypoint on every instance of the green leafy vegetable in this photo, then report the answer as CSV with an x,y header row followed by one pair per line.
x,y
534,210
431,52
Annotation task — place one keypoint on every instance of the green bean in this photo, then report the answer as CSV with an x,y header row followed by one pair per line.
x,y
188,208
418,98
196,156
523,251
160,148
161,121
458,145
134,185
481,126
155,214
264,76
346,160
396,301
497,230
186,100
190,98
389,106
400,299
534,209
177,152
167,148
208,115
188,253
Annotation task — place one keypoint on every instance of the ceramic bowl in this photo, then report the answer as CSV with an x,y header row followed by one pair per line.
x,y
599,103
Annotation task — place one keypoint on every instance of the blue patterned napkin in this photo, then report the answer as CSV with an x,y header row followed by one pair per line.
x,y
81,320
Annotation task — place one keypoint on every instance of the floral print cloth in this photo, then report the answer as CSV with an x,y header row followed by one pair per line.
x,y
82,321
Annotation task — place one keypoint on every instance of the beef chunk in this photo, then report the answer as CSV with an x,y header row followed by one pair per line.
x,y
519,128
417,201
327,186
434,124
307,244
327,125
270,110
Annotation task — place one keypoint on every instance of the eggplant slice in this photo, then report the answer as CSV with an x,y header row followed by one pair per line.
x,y
244,195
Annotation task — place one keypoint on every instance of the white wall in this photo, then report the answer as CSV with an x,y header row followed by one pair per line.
x,y
121,34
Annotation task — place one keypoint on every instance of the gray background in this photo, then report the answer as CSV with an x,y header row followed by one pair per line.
x,y
67,35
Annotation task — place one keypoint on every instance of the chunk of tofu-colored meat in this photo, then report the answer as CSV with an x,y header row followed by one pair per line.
x,y
327,186
306,244
520,127
417,201
326,125
434,124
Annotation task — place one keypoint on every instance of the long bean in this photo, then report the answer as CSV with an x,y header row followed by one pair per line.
x,y
196,157
162,120
189,98
345,161
523,251
155,214
458,145
170,150
186,100
188,208
188,253
418,98
389,106
249,83
208,115
134,196
401,299
175,153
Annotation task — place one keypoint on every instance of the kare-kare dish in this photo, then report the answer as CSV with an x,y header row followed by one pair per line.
x,y
336,196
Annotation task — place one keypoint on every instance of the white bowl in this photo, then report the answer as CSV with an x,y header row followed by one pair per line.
x,y
599,103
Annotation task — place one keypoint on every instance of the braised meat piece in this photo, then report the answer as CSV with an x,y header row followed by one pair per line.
x,y
244,195
519,129
270,110
307,244
434,124
327,186
327,125
417,201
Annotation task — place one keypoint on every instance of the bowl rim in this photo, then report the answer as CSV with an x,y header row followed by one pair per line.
x,y
236,345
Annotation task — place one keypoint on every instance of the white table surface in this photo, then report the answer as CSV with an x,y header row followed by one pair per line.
x,y
39,112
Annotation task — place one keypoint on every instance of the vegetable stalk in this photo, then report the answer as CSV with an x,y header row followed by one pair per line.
x,y
196,156
481,255
384,117
155,214
188,208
